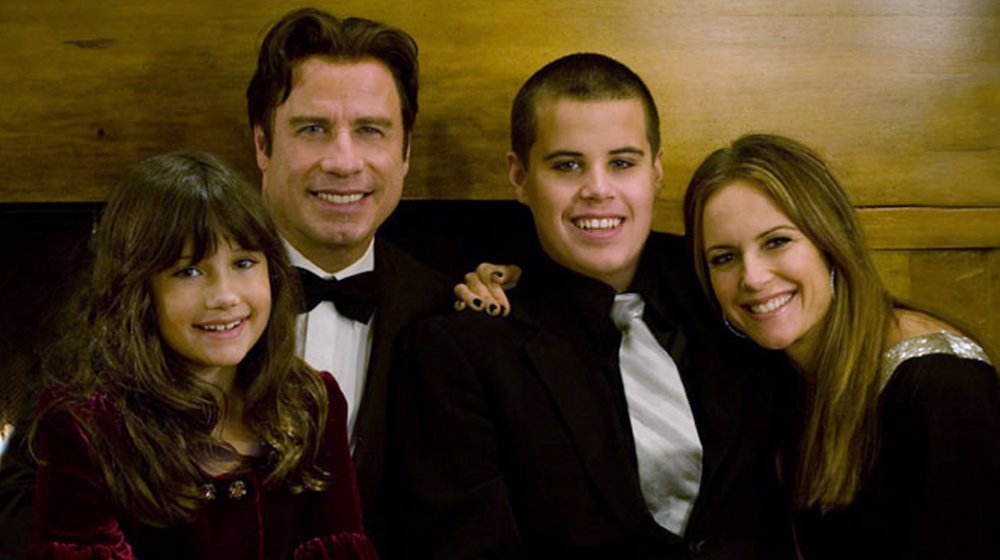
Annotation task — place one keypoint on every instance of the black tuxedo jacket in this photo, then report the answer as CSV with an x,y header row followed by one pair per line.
x,y
515,439
407,289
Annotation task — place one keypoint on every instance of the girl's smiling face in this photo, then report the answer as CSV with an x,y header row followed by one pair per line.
x,y
212,312
769,278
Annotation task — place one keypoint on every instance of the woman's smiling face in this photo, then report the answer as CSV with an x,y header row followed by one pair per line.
x,y
771,281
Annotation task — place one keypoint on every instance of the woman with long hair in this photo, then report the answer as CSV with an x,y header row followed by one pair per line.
x,y
179,423
894,447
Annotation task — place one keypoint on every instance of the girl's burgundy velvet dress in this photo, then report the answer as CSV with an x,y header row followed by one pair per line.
x,y
75,518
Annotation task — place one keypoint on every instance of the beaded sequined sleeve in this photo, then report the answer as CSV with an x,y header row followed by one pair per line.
x,y
940,342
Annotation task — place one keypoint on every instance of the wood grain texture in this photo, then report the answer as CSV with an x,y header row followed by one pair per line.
x,y
902,96
962,287
894,228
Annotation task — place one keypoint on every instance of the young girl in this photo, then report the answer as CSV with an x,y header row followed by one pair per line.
x,y
179,423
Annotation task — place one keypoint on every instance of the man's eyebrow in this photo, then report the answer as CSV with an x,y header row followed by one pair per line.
x,y
297,120
383,122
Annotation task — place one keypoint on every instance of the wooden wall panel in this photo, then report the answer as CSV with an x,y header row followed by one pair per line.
x,y
893,228
902,95
963,286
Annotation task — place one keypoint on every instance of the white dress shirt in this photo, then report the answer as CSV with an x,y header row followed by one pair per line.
x,y
331,342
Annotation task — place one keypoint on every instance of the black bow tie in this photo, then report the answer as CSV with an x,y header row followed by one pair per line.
x,y
354,297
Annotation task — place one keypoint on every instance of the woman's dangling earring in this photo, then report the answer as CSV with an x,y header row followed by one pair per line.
x,y
731,328
833,281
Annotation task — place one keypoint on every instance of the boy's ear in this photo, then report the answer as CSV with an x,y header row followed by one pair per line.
x,y
517,174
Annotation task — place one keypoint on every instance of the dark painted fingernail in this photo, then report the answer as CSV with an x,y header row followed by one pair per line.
x,y
498,273
477,303
492,308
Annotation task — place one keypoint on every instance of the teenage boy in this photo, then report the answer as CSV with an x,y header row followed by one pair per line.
x,y
608,416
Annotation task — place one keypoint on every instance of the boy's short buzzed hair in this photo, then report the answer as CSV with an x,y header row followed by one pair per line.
x,y
581,77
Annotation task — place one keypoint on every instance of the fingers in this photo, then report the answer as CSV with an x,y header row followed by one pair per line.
x,y
478,296
483,290
510,274
467,298
506,275
492,292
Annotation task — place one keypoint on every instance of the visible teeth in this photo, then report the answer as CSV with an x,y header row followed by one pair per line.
x,y
221,328
598,223
771,304
340,198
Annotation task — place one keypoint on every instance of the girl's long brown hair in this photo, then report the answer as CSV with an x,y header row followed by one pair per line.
x,y
116,353
838,437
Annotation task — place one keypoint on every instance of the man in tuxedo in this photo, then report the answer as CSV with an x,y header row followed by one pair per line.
x,y
331,106
609,416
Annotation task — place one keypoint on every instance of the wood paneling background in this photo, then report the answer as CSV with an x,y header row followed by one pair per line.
x,y
903,96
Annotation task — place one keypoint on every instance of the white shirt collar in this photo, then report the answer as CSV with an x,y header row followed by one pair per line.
x,y
364,264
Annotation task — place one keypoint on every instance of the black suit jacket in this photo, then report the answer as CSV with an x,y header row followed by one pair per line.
x,y
407,289
515,439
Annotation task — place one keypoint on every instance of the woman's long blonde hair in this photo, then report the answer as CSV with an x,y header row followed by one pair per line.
x,y
838,437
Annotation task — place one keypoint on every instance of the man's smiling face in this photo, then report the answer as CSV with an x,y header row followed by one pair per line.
x,y
337,162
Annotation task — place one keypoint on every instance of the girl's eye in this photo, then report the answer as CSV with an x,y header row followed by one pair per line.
x,y
720,259
187,272
245,263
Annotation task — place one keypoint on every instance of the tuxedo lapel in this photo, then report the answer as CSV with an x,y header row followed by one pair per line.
x,y
569,370
407,288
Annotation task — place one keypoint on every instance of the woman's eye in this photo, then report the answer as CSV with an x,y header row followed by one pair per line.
x,y
776,242
720,259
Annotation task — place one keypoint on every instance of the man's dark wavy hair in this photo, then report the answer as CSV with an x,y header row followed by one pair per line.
x,y
310,32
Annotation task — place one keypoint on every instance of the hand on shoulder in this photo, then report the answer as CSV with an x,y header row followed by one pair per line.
x,y
483,290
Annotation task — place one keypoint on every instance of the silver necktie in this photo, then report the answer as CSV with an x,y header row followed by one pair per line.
x,y
666,439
